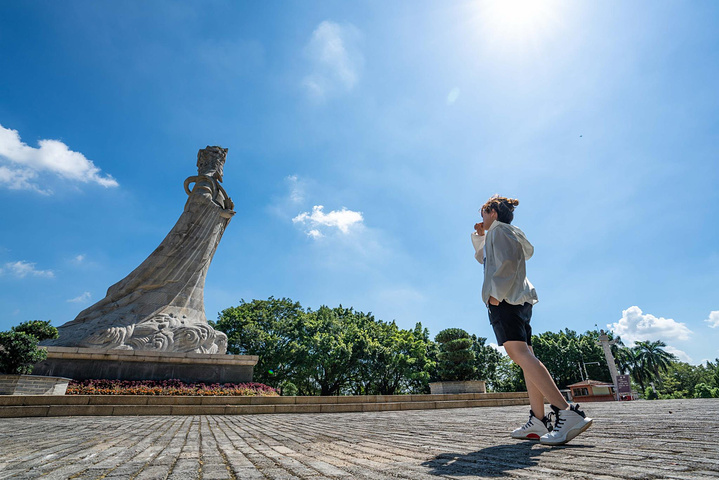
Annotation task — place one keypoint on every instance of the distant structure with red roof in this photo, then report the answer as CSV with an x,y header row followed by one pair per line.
x,y
592,391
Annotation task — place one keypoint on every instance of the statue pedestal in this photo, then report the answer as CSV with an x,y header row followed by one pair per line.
x,y
96,363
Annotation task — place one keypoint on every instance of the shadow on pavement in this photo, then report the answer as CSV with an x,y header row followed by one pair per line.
x,y
491,461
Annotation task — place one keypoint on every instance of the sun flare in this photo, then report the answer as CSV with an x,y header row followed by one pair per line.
x,y
519,19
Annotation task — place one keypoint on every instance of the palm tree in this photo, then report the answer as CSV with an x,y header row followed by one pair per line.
x,y
628,361
653,358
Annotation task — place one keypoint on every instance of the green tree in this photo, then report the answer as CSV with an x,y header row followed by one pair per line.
x,y
650,394
486,361
456,358
40,329
654,358
508,377
629,362
418,347
681,379
329,349
704,390
394,360
714,367
269,329
566,354
19,350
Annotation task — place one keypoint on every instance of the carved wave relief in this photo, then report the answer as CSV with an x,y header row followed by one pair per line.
x,y
163,333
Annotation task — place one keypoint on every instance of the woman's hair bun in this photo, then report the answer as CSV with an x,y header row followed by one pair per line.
x,y
503,206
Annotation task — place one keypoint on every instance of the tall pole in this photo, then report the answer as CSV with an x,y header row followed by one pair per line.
x,y
606,346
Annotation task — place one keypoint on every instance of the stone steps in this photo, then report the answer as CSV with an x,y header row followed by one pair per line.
x,y
108,405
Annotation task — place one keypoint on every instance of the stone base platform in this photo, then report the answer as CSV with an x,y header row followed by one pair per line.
x,y
92,363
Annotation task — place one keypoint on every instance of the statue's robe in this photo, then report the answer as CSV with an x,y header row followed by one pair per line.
x,y
160,305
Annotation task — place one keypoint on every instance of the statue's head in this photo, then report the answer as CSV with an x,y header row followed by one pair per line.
x,y
210,161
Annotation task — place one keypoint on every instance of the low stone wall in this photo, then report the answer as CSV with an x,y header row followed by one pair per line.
x,y
32,385
95,363
101,405
468,386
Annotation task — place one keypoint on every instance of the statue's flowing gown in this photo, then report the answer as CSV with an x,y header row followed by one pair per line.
x,y
160,305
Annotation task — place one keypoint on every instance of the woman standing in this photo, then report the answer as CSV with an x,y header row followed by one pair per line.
x,y
503,249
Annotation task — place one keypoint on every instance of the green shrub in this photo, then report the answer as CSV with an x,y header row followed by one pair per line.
x,y
459,344
288,389
455,358
449,334
18,347
678,394
650,394
703,390
40,329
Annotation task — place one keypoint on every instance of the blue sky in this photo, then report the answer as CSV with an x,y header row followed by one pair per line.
x,y
363,137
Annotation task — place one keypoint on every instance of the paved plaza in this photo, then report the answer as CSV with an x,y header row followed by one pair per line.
x,y
636,440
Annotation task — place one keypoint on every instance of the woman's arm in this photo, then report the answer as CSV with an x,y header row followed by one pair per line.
x,y
478,243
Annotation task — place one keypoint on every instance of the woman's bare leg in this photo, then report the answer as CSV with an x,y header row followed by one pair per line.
x,y
536,398
535,373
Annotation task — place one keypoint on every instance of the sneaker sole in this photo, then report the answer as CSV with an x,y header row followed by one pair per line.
x,y
531,436
570,434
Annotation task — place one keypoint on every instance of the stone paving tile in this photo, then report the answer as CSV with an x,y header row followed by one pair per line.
x,y
669,439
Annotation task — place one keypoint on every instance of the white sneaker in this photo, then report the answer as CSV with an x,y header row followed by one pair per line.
x,y
533,429
568,424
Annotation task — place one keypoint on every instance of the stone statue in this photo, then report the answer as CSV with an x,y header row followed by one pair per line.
x,y
160,305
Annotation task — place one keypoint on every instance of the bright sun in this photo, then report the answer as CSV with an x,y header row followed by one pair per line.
x,y
519,19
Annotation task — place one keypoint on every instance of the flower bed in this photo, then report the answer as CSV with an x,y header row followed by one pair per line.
x,y
167,387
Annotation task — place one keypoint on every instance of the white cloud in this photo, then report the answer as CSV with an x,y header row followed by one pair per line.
x,y
79,258
19,179
453,96
334,59
23,164
84,297
340,219
292,198
297,188
22,269
713,319
637,326
680,354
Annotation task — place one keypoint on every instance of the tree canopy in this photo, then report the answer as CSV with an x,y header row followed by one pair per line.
x,y
328,351
18,347
566,354
333,351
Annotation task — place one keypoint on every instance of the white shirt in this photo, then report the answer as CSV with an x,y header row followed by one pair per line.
x,y
503,250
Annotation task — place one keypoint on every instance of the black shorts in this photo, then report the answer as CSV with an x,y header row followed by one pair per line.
x,y
511,322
